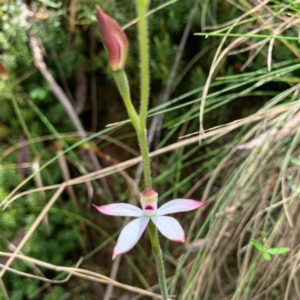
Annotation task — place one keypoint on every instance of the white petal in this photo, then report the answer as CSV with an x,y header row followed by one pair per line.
x,y
120,209
179,205
130,235
170,228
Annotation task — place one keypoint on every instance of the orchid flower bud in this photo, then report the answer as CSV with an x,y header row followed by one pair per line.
x,y
114,40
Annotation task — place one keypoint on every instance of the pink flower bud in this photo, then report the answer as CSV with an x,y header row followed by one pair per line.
x,y
114,40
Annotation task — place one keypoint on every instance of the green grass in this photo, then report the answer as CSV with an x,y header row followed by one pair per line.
x,y
246,166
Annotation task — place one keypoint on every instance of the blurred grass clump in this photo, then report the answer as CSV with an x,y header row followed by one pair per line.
x,y
241,83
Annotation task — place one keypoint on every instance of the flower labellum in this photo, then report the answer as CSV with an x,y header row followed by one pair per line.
x,y
114,40
168,226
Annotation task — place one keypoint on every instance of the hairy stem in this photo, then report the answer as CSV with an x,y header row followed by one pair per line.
x,y
122,83
142,6
159,259
139,123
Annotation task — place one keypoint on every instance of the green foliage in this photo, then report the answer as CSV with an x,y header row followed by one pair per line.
x,y
56,293
214,169
267,252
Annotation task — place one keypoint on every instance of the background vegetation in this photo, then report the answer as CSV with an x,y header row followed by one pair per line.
x,y
239,79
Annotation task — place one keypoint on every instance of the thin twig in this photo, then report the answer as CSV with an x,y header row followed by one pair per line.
x,y
82,273
34,226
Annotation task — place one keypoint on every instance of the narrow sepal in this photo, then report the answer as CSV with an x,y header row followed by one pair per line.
x,y
130,235
179,205
170,228
120,209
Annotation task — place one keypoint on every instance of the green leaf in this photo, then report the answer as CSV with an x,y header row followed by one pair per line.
x,y
276,251
295,161
266,255
51,3
38,93
293,186
257,245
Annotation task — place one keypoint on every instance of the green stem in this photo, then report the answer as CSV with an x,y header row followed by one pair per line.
x,y
122,83
142,6
23,124
139,123
145,155
123,87
143,44
159,259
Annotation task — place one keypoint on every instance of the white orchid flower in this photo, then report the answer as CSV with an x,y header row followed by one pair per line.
x,y
168,226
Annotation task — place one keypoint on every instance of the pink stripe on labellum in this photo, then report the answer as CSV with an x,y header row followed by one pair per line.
x,y
149,207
